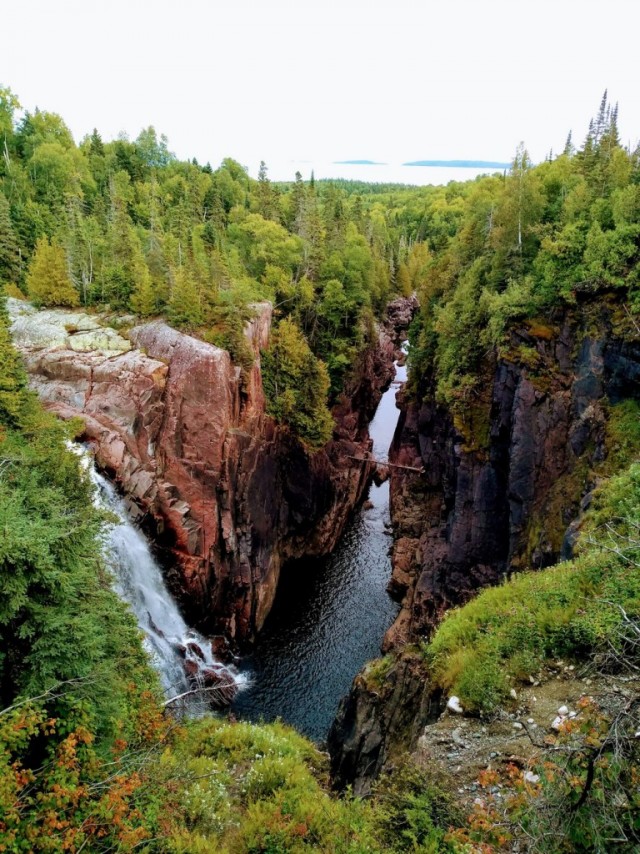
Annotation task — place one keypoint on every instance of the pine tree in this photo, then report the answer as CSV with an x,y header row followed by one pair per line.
x,y
48,281
298,195
569,150
267,196
96,146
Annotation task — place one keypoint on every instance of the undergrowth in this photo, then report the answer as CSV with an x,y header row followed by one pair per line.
x,y
569,610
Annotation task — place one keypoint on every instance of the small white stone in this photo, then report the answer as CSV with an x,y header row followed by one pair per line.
x,y
530,721
530,777
453,704
557,722
513,693
517,725
563,710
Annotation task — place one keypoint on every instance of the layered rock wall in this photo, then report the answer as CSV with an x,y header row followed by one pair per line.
x,y
228,494
500,486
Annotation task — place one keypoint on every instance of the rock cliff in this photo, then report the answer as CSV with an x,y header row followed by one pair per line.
x,y
228,494
502,484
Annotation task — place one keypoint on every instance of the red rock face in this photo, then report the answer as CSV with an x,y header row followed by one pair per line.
x,y
228,495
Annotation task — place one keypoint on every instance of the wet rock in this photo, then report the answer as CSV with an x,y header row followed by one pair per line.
x,y
220,686
191,668
380,474
196,650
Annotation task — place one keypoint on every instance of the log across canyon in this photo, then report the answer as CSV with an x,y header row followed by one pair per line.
x,y
228,495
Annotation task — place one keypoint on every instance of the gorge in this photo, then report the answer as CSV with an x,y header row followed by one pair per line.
x,y
236,373
192,450
331,613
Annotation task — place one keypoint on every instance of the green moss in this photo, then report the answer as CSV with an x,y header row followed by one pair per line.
x,y
548,524
376,671
540,329
622,437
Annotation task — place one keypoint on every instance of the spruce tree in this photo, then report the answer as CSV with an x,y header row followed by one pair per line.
x,y
13,380
48,281
184,306
9,252
143,299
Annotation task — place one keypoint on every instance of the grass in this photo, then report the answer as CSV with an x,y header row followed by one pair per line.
x,y
570,610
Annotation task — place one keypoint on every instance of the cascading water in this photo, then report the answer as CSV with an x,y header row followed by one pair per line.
x,y
190,674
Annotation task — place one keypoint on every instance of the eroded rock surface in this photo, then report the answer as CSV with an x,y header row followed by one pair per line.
x,y
228,495
501,490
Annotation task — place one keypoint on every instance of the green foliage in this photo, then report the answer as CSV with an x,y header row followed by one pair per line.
x,y
9,251
572,609
521,246
414,813
48,281
13,380
296,384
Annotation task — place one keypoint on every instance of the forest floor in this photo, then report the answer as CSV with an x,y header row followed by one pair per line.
x,y
457,747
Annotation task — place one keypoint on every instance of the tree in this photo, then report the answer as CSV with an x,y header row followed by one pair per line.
x,y
184,305
267,197
9,251
8,106
296,384
13,380
143,299
48,281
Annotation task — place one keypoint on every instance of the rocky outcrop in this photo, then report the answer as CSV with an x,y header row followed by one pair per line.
x,y
228,494
500,486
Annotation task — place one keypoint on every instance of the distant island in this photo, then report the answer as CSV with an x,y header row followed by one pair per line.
x,y
359,163
463,164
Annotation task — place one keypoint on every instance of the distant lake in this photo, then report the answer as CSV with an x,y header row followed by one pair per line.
x,y
381,173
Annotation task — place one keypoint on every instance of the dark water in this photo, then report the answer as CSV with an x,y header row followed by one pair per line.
x,y
330,615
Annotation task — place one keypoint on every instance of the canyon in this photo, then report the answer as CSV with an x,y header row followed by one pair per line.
x,y
502,488
228,495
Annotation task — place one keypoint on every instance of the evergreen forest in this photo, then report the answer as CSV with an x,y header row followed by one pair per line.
x,y
90,760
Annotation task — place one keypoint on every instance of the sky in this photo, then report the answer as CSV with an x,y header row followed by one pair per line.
x,y
311,80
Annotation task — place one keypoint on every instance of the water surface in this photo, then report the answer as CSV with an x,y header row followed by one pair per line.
x,y
330,614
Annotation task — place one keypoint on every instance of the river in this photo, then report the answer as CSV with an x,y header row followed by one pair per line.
x,y
330,614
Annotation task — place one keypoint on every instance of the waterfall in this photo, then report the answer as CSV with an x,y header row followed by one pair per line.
x,y
183,658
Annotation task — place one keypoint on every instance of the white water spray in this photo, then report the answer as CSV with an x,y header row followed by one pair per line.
x,y
182,657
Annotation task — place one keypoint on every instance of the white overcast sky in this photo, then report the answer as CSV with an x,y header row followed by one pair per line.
x,y
391,80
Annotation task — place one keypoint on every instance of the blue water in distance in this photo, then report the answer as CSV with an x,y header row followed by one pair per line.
x,y
330,614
